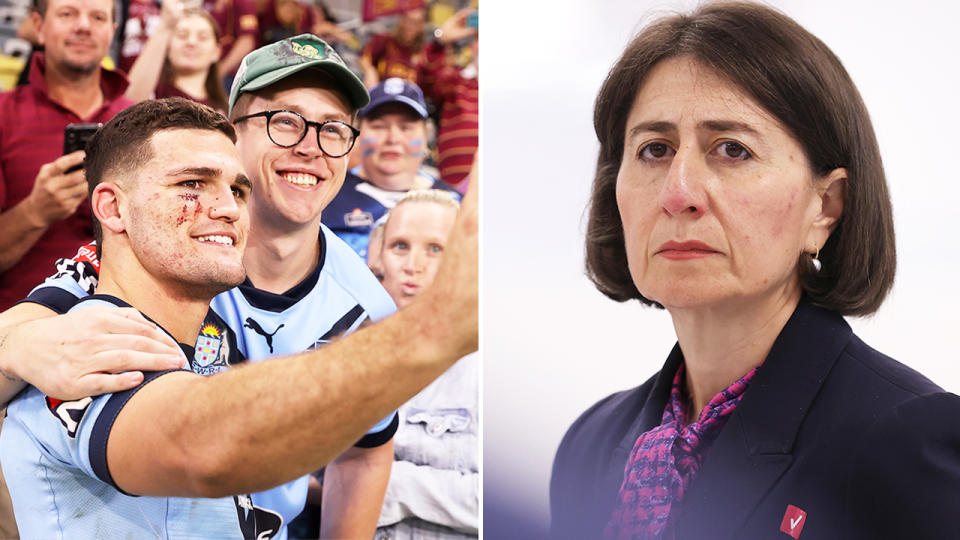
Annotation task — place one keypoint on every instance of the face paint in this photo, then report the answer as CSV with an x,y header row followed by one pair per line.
x,y
415,148
396,141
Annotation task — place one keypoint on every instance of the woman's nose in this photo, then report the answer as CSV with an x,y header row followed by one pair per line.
x,y
682,191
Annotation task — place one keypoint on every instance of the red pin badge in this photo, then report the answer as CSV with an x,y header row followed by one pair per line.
x,y
793,520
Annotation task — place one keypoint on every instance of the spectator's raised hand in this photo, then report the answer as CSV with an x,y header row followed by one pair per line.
x,y
455,28
172,10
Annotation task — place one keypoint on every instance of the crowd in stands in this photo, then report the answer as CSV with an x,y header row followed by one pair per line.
x,y
418,137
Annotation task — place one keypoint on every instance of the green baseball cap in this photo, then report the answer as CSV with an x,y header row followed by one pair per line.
x,y
277,61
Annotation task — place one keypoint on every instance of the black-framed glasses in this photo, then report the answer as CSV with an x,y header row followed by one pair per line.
x,y
288,128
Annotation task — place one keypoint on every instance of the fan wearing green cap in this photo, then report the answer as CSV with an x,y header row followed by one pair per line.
x,y
293,104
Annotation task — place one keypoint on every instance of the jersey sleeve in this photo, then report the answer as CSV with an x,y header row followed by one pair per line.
x,y
74,279
73,434
381,433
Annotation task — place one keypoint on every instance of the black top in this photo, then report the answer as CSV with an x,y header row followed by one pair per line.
x,y
865,446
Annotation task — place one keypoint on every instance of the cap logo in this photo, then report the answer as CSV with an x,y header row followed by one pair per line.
x,y
393,86
307,50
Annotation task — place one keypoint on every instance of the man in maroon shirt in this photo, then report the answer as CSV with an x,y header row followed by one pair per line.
x,y
39,200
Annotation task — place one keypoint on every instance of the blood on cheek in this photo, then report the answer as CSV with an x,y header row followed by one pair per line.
x,y
191,208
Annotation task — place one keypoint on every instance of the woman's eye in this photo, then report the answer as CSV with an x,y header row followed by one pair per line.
x,y
734,150
656,150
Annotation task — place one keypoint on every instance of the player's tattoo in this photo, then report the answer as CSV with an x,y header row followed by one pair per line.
x,y
3,342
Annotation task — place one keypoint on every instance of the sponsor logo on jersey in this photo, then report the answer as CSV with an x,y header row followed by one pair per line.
x,y
69,413
88,253
267,336
358,218
256,522
211,353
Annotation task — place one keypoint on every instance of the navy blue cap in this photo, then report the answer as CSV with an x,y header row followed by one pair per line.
x,y
396,90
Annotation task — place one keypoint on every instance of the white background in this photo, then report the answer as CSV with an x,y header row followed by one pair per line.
x,y
553,345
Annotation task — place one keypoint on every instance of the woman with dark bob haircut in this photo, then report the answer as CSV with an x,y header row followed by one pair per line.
x,y
739,185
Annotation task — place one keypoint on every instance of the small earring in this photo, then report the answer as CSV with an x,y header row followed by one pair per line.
x,y
817,265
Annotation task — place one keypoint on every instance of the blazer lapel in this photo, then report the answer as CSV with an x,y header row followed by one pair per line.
x,y
648,418
755,447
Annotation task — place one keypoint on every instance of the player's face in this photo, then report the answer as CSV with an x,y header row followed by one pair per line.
x,y
76,34
413,244
186,216
292,185
393,145
193,47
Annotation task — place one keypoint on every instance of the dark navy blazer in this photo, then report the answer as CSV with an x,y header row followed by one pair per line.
x,y
865,446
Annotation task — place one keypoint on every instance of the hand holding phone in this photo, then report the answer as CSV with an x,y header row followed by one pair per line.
x,y
75,137
60,186
56,194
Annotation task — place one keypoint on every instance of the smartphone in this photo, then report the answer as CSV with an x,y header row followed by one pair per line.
x,y
473,19
75,137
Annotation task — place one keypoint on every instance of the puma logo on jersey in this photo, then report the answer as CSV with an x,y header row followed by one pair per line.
x,y
255,326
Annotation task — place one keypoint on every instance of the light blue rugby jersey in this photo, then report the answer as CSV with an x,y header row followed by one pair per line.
x,y
337,298
54,461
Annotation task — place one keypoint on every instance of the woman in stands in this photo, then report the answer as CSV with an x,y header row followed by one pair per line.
x,y
180,60
739,186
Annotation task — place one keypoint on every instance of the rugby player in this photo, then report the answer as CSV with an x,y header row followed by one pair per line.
x,y
293,181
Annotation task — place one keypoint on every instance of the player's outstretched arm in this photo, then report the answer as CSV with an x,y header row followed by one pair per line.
x,y
258,426
79,354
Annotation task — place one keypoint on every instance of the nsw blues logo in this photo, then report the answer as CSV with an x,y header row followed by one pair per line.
x,y
211,353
